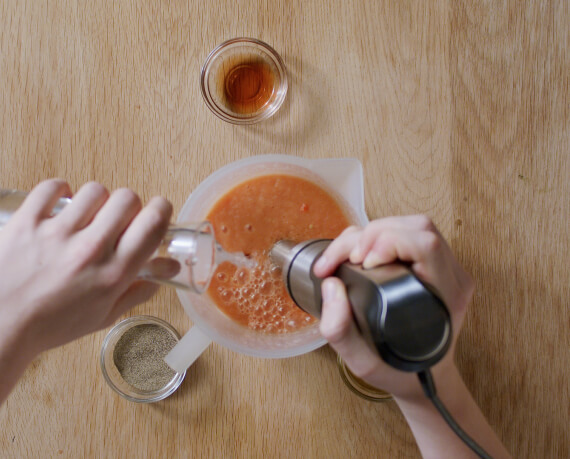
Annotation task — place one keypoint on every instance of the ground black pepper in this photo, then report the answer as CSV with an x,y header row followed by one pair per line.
x,y
139,356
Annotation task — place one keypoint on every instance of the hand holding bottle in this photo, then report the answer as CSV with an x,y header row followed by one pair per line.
x,y
65,276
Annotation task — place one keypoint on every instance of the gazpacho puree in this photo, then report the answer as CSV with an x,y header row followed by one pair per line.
x,y
251,218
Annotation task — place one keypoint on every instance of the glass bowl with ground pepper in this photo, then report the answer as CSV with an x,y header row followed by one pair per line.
x,y
132,359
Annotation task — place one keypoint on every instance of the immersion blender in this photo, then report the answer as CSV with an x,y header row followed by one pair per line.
x,y
399,317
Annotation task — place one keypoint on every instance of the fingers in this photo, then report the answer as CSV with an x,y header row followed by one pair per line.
x,y
377,227
337,251
413,239
83,208
430,257
114,217
146,231
410,245
42,199
137,293
339,329
115,230
355,243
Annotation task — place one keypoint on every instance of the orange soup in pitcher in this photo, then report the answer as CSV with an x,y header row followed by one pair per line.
x,y
250,219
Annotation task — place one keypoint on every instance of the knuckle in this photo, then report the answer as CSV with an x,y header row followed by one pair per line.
x,y
96,188
155,219
56,182
387,237
51,185
378,224
431,242
53,229
163,204
350,229
111,277
127,195
160,209
425,223
91,249
373,230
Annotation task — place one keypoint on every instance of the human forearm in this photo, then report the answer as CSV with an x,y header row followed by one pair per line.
x,y
16,353
434,437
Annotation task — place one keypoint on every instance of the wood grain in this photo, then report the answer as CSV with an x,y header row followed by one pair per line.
x,y
456,109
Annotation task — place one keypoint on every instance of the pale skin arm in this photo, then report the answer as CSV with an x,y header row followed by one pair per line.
x,y
415,240
72,274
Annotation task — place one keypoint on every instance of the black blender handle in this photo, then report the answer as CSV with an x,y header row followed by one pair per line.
x,y
403,319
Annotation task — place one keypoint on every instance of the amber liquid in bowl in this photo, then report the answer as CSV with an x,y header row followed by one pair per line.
x,y
248,85
251,218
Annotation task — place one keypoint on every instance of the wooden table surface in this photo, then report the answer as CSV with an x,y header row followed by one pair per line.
x,y
457,109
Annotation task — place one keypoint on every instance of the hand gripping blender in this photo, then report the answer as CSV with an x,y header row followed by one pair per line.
x,y
399,317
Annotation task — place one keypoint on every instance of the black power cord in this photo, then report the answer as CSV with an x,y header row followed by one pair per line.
x,y
428,386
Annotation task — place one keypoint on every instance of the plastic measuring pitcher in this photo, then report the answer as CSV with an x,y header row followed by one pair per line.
x,y
341,178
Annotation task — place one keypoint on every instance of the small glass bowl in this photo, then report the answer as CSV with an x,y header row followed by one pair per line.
x,y
225,59
360,387
111,373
